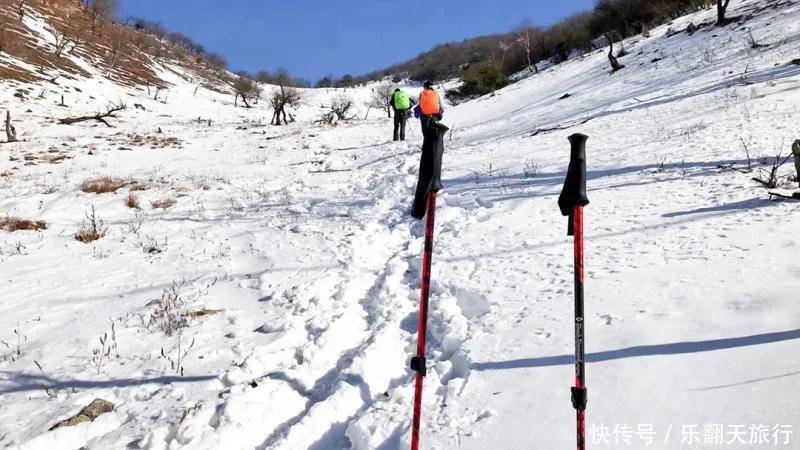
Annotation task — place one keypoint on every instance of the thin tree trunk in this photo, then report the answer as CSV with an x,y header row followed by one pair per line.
x,y
722,6
11,133
615,65
796,152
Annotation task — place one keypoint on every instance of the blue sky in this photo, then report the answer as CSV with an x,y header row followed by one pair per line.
x,y
312,38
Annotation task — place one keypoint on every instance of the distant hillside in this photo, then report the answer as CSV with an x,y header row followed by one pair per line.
x,y
49,39
528,45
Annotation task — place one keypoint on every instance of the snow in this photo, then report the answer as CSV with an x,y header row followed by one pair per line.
x,y
300,237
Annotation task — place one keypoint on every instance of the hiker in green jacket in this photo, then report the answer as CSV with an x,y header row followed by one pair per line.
x,y
401,105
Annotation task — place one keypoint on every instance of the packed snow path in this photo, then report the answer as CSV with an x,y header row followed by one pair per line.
x,y
297,244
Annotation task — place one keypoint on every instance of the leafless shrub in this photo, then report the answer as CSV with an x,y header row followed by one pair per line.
x,y
381,98
746,147
169,314
108,348
61,41
164,203
16,350
12,224
531,169
46,387
661,164
769,177
92,229
103,185
339,109
176,361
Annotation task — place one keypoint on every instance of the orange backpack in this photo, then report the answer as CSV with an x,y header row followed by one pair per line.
x,y
429,102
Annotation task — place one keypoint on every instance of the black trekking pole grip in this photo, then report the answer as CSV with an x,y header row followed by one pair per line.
x,y
574,192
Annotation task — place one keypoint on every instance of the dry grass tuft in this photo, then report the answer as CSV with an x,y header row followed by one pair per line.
x,y
12,224
163,203
103,185
132,201
203,313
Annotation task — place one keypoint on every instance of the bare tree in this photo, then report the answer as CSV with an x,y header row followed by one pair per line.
x,y
11,132
61,41
264,77
325,82
504,48
381,98
243,87
283,97
216,62
3,34
118,42
722,7
796,153
524,39
99,12
615,65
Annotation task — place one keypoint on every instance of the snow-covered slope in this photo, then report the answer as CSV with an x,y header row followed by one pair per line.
x,y
296,244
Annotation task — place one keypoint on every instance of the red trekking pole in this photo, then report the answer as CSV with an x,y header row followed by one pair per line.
x,y
418,362
430,181
571,202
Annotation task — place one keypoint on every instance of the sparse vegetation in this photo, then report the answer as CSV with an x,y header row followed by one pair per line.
x,y
176,361
479,80
163,203
528,45
770,177
12,224
338,110
92,228
531,169
132,201
103,185
108,348
168,314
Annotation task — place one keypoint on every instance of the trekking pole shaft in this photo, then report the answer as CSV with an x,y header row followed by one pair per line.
x,y
580,373
423,317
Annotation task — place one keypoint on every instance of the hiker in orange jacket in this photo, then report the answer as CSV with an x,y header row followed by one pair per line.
x,y
429,109
430,104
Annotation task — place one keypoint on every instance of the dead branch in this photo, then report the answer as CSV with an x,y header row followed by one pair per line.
x,y
794,196
111,111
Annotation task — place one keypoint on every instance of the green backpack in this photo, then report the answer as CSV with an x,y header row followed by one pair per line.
x,y
401,100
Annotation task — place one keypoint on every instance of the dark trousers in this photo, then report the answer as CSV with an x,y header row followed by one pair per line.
x,y
400,117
